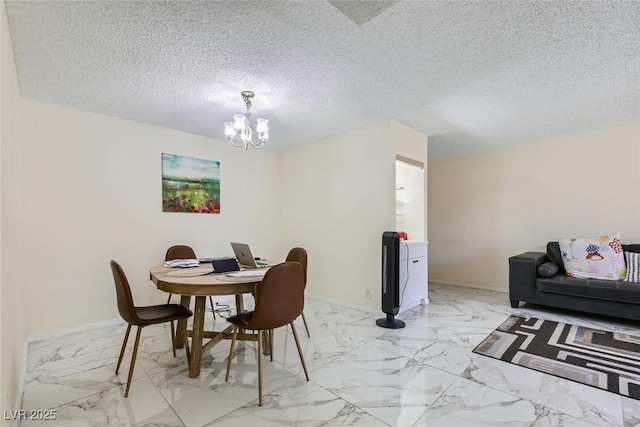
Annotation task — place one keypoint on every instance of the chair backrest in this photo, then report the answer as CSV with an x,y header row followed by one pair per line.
x,y
299,255
123,291
279,297
179,252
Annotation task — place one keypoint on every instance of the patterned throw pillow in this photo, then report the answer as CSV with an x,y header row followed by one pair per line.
x,y
594,258
633,266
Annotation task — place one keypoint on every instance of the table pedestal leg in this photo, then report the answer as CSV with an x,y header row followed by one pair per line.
x,y
239,304
185,300
196,338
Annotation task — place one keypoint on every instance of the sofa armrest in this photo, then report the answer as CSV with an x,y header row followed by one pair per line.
x,y
522,276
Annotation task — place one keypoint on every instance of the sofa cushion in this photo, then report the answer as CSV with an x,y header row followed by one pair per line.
x,y
633,266
612,290
548,269
598,257
554,254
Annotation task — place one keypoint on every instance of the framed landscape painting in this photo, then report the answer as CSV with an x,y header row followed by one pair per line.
x,y
190,184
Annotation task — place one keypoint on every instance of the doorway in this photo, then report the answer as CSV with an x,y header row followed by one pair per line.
x,y
410,216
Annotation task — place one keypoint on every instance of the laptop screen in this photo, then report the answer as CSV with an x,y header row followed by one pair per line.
x,y
243,254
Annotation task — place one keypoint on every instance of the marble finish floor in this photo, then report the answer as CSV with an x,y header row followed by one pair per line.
x,y
362,375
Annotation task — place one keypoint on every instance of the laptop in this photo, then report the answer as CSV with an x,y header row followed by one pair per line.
x,y
225,265
245,257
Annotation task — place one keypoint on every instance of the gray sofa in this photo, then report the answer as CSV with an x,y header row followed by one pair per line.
x,y
527,283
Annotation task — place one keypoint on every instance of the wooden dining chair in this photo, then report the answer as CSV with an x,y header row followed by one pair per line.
x,y
184,252
300,255
143,316
279,301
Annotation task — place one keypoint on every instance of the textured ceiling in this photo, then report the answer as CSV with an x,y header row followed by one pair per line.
x,y
471,75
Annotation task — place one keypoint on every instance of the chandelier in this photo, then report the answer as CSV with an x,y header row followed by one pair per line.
x,y
241,126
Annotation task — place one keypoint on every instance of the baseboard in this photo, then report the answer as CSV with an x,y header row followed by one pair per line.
x,y
468,285
66,331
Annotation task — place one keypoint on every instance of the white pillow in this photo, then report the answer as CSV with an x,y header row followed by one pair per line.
x,y
594,258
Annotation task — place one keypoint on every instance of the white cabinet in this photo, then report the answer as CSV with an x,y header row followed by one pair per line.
x,y
413,274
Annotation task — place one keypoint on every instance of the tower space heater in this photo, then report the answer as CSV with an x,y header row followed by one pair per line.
x,y
390,280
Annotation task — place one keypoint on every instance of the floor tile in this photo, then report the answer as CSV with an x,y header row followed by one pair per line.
x,y
199,401
301,403
587,403
470,404
70,346
145,406
66,366
441,344
631,412
321,312
324,346
392,388
47,392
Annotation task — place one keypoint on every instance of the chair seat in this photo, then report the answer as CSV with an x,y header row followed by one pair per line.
x,y
150,315
242,319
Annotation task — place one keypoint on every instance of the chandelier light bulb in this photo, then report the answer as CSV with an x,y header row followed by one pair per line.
x,y
262,126
239,122
229,130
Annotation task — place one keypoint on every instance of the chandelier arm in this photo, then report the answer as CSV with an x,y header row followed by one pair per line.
x,y
258,144
231,140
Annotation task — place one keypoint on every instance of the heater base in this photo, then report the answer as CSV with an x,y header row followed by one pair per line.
x,y
390,322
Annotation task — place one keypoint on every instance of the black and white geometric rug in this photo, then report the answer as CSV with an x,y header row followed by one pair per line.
x,y
607,360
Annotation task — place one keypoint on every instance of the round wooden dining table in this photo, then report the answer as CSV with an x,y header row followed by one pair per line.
x,y
201,282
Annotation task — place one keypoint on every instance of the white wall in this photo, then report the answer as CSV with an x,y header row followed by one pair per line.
x,y
92,188
338,197
486,207
11,281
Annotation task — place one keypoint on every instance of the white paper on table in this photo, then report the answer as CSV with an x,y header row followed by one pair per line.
x,y
248,273
181,263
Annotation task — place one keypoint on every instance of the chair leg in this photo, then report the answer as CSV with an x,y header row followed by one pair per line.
x,y
172,328
186,347
213,308
306,327
271,343
173,339
295,335
124,345
259,368
233,344
133,361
